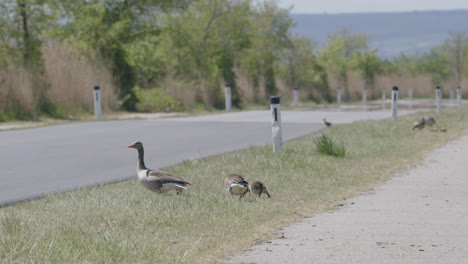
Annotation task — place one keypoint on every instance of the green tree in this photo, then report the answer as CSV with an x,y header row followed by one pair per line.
x,y
337,55
455,49
369,65
406,64
435,65
109,26
270,28
25,21
301,69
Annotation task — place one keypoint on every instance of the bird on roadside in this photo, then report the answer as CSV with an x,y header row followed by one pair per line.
x,y
328,124
258,188
429,121
237,184
419,124
156,181
443,130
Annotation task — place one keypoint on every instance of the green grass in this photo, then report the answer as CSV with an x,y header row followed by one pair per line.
x,y
325,144
125,223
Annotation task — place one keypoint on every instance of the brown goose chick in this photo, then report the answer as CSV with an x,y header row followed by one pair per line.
x,y
259,188
429,121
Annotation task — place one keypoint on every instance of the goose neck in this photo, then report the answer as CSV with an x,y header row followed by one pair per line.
x,y
141,162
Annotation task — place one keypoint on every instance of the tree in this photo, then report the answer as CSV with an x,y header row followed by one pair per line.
x,y
456,52
270,27
435,65
337,55
405,64
25,21
368,64
301,69
109,26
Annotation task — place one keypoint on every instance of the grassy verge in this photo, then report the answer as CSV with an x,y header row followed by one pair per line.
x,y
125,223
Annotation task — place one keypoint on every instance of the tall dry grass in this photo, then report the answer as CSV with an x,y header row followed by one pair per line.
x,y
72,76
17,89
67,84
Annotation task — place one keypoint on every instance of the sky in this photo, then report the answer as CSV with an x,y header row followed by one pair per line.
x,y
366,6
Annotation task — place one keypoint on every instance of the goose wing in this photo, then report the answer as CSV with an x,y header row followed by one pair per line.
x,y
235,179
165,177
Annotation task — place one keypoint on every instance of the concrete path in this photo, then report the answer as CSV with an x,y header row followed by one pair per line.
x,y
419,216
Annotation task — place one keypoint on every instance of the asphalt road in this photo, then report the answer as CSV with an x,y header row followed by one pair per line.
x,y
52,159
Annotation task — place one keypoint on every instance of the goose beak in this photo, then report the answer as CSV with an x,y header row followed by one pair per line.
x,y
131,146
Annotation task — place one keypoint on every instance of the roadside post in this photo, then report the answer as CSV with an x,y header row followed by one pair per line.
x,y
395,102
338,95
438,99
384,97
276,124
296,96
459,97
97,102
410,98
227,92
364,96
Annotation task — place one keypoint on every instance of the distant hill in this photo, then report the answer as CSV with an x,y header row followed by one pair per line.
x,y
391,33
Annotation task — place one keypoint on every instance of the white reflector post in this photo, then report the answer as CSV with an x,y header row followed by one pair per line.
x,y
438,99
459,97
410,98
395,102
227,90
276,124
364,96
97,102
338,95
384,97
296,96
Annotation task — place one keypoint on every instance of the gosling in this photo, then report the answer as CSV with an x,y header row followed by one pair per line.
x,y
259,188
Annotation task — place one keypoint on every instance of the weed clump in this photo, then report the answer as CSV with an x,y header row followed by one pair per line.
x,y
156,100
326,145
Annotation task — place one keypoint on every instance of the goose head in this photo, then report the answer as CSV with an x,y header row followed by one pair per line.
x,y
137,145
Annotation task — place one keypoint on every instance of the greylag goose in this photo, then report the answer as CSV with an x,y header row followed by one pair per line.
x,y
157,181
327,123
236,184
419,124
259,188
430,121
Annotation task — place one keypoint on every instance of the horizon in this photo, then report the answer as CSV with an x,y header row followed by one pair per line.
x,y
381,12
369,6
392,33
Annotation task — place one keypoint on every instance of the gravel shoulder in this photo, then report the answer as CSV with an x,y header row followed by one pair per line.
x,y
418,216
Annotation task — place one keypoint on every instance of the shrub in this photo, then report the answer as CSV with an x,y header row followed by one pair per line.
x,y
156,100
326,145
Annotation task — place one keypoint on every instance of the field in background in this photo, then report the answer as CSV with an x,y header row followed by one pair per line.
x,y
125,223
